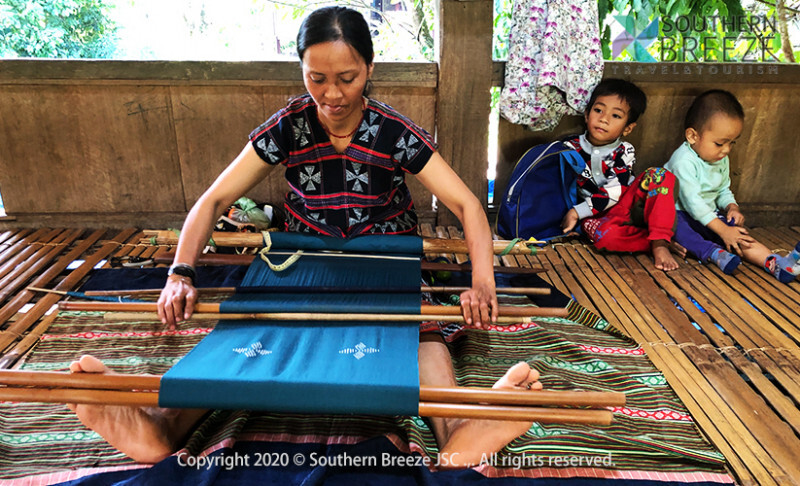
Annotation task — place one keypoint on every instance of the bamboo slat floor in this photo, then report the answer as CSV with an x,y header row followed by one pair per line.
x,y
728,345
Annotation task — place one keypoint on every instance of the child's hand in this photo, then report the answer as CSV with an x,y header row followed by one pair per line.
x,y
570,221
735,215
736,239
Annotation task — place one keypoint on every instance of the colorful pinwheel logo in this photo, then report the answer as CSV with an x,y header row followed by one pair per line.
x,y
634,39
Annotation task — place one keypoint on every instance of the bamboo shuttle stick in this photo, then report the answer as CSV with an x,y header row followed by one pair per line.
x,y
256,240
121,382
426,311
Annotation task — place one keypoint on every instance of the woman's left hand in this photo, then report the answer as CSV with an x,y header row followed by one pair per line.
x,y
479,305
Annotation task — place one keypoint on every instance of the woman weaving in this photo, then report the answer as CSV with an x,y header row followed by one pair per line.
x,y
345,157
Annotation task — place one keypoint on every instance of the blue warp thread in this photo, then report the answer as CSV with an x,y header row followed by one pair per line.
x,y
316,366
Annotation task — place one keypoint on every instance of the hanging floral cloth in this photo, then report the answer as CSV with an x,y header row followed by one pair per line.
x,y
554,61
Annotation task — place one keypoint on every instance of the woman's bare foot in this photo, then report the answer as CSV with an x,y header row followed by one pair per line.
x,y
662,257
470,441
145,435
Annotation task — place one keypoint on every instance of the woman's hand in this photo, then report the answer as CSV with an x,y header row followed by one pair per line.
x,y
177,299
479,305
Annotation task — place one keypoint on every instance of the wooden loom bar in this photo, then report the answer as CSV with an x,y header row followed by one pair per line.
x,y
284,316
499,412
123,382
426,409
227,259
231,290
116,389
213,308
256,240
517,397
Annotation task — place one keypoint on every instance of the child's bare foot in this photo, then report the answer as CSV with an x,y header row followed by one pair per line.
x,y
145,435
473,440
662,257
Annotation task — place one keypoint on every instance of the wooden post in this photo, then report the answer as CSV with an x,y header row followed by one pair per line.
x,y
463,101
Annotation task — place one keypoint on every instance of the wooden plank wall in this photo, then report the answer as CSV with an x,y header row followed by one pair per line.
x,y
764,163
120,143
136,143
464,93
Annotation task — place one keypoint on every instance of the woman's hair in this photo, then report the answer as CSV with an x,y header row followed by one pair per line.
x,y
329,24
708,104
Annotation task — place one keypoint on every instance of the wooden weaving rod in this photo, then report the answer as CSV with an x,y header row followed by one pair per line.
x,y
466,402
256,240
426,311
232,290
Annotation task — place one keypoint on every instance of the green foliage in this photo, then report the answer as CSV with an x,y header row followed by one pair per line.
x,y
56,29
502,27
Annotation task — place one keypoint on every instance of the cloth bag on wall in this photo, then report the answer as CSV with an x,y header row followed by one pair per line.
x,y
554,61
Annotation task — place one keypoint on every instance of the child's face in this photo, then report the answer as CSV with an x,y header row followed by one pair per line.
x,y
716,139
607,120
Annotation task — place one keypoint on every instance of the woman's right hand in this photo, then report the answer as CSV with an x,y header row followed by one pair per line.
x,y
177,299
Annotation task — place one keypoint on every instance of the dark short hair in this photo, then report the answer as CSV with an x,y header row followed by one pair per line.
x,y
627,91
708,104
329,24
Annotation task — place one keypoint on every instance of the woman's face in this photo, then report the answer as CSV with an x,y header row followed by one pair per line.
x,y
335,75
